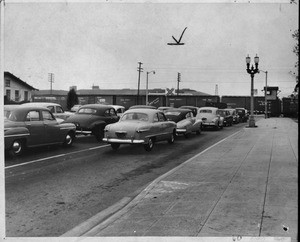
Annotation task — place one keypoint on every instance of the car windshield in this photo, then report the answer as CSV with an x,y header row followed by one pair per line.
x,y
174,113
135,116
87,111
205,111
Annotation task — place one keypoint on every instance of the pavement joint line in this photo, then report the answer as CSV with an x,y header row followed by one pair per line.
x,y
238,168
266,189
133,202
55,156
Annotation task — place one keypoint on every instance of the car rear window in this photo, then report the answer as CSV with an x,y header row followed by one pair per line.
x,y
205,111
87,111
135,116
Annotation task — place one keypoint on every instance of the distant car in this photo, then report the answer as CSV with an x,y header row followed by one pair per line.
x,y
243,114
228,118
143,106
185,121
119,109
194,109
92,119
34,126
210,117
55,108
8,108
140,126
235,116
75,108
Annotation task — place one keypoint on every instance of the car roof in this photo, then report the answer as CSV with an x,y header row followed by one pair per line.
x,y
142,106
96,106
208,108
144,110
40,104
117,106
182,110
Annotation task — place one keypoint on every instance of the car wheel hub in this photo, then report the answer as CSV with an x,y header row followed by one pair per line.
x,y
68,139
16,147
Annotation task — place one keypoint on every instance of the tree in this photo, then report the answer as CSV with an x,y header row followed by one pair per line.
x,y
72,99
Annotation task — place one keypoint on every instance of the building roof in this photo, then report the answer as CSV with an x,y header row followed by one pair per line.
x,y
6,73
125,91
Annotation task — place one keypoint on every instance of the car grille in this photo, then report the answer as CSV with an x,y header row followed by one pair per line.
x,y
121,134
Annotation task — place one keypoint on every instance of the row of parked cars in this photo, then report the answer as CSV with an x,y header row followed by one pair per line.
x,y
36,124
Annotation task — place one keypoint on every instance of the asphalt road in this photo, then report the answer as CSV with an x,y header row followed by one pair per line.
x,y
50,190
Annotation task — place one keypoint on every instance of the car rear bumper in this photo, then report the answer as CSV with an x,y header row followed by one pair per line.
x,y
123,141
180,131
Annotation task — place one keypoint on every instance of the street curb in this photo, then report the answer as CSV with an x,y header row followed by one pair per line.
x,y
99,221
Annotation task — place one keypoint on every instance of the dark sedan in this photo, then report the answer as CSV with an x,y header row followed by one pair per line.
x,y
34,126
92,119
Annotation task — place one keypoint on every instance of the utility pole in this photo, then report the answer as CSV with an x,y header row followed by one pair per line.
x,y
51,80
140,69
216,90
266,89
178,80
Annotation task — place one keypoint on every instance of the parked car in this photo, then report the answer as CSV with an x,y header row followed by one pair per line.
x,y
210,117
235,116
243,114
55,108
35,126
185,120
143,106
75,108
228,118
140,126
194,109
119,109
8,108
92,119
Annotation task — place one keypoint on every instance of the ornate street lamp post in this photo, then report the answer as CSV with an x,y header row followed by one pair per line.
x,y
252,72
148,72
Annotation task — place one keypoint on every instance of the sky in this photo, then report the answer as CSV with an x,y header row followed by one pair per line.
x,y
101,42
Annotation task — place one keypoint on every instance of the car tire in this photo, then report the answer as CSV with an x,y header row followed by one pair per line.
x,y
115,146
69,139
98,132
172,138
17,148
149,145
198,132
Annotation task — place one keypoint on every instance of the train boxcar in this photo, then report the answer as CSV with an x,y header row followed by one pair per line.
x,y
289,107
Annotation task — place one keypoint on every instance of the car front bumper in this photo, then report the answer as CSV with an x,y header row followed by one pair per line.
x,y
180,131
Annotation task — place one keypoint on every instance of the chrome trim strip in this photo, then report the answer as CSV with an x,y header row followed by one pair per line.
x,y
15,135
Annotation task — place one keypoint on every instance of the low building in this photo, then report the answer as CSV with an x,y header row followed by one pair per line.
x,y
16,90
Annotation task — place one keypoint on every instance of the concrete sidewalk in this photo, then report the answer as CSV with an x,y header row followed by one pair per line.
x,y
245,185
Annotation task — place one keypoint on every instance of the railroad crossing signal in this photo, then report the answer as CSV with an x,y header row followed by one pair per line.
x,y
169,91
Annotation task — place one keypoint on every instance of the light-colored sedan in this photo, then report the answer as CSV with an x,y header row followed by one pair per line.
x,y
34,126
55,108
210,117
185,120
140,126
